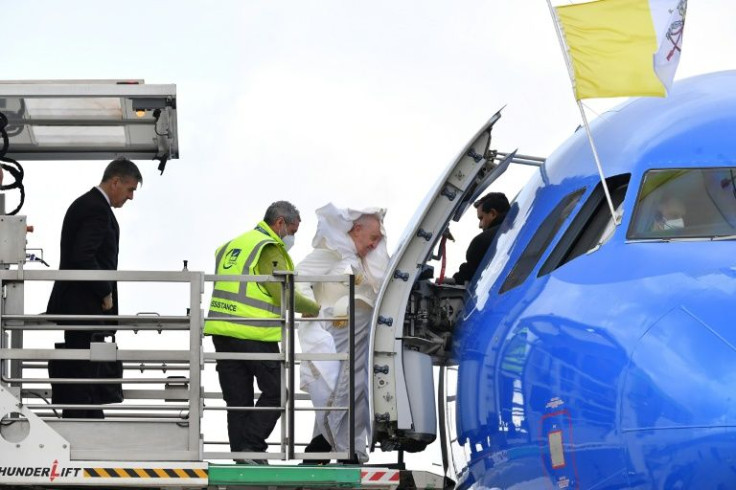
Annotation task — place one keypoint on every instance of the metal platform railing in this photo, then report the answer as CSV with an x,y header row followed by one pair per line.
x,y
161,417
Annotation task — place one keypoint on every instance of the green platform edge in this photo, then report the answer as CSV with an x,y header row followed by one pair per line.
x,y
286,476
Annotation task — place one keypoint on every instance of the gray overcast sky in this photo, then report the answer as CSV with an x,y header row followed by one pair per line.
x,y
359,103
356,102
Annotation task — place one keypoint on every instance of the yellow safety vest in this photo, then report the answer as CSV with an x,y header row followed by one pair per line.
x,y
245,299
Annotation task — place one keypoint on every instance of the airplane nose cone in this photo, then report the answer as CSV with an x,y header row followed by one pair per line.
x,y
679,404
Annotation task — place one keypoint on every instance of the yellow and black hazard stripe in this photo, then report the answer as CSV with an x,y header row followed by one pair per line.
x,y
145,473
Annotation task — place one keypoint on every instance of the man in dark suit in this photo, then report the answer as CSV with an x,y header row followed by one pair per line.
x,y
89,241
491,209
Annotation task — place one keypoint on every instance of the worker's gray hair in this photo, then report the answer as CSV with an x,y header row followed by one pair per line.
x,y
281,209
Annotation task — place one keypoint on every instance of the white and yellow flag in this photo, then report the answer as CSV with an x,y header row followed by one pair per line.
x,y
623,47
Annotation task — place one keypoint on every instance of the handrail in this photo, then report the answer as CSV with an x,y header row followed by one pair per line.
x,y
119,318
187,390
94,381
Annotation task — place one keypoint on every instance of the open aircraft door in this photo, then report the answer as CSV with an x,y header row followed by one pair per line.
x,y
414,317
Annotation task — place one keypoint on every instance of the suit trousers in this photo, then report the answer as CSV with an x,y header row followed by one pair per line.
x,y
248,430
84,394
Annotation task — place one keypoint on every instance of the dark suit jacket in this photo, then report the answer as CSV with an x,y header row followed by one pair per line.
x,y
89,240
476,251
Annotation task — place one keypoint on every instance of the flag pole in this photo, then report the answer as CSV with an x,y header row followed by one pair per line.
x,y
616,219
571,74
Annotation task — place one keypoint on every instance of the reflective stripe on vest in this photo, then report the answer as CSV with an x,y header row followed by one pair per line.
x,y
241,296
247,299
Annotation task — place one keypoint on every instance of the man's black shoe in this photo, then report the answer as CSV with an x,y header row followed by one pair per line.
x,y
252,461
318,445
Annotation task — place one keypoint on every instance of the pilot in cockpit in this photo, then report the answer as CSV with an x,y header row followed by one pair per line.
x,y
670,214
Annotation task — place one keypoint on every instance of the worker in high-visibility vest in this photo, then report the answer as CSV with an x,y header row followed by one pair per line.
x,y
260,251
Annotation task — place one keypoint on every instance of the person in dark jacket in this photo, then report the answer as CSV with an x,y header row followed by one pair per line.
x,y
491,209
89,241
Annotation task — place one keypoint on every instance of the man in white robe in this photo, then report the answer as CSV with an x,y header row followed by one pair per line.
x,y
347,241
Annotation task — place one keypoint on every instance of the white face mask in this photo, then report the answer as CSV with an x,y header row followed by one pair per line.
x,y
674,224
288,241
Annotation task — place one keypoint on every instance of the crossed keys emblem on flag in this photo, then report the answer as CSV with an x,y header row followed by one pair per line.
x,y
676,29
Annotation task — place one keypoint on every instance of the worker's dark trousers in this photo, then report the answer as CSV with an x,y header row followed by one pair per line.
x,y
248,431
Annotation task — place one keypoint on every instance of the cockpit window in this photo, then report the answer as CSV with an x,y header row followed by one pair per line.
x,y
685,203
541,240
592,227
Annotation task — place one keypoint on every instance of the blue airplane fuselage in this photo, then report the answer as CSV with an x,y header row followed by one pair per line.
x,y
614,368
